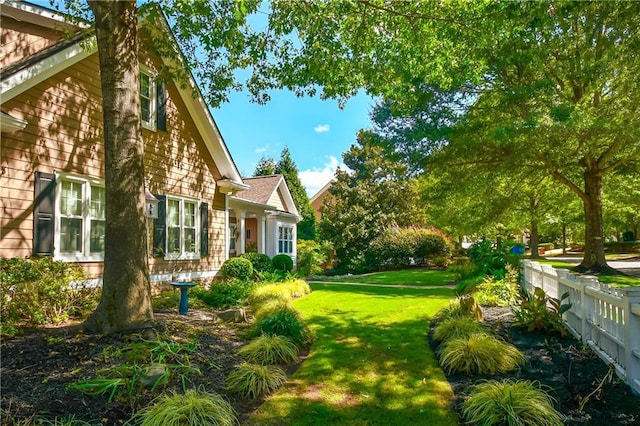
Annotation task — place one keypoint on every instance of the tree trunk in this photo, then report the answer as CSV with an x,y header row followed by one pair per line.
x,y
564,238
593,260
126,291
534,239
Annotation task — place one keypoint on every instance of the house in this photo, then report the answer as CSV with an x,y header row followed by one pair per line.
x,y
52,198
264,216
319,199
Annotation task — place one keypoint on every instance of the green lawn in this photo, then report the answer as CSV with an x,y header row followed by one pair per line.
x,y
370,363
616,280
418,277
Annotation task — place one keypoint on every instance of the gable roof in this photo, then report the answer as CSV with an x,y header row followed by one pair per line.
x,y
64,54
262,189
322,191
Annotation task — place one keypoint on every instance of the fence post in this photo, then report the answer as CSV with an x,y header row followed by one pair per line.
x,y
587,306
563,274
631,309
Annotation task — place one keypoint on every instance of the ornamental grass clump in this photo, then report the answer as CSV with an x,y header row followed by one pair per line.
x,y
192,408
266,293
255,380
283,322
268,307
268,350
510,403
461,327
297,287
479,353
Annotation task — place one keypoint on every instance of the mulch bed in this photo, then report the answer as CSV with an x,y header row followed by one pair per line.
x,y
36,367
566,369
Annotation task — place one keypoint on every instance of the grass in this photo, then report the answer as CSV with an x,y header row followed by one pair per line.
x,y
479,353
417,277
512,403
267,350
255,380
370,362
615,280
191,408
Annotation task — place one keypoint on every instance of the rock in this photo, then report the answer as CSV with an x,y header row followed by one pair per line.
x,y
232,315
152,374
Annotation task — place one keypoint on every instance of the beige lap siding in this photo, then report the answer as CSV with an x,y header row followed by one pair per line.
x,y
21,39
64,134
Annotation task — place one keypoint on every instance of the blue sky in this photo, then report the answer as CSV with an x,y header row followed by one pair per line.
x,y
317,132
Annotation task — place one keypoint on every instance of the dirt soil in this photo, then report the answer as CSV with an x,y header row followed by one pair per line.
x,y
36,367
567,370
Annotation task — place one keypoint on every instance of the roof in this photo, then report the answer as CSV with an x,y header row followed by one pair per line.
x,y
262,188
62,55
322,191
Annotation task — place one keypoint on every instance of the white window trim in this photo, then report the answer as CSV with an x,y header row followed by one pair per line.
x,y
153,99
183,255
86,255
292,229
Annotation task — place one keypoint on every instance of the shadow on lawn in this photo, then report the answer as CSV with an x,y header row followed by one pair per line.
x,y
366,368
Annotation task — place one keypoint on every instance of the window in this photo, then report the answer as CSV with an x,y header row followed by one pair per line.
x,y
81,219
182,225
147,99
285,239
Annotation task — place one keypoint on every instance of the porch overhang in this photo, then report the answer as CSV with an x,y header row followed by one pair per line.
x,y
228,186
11,124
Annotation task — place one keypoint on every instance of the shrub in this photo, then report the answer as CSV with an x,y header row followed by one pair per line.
x,y
282,262
283,323
192,408
539,312
492,260
254,380
510,403
268,350
499,292
479,354
228,294
310,257
463,268
456,327
399,247
42,291
238,268
469,284
260,262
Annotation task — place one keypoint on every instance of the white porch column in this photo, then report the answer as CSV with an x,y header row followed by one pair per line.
x,y
261,220
240,216
226,226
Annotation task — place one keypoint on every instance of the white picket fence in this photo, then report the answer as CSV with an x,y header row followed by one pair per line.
x,y
604,317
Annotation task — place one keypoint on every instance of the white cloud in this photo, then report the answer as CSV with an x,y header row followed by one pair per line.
x,y
314,179
262,149
321,128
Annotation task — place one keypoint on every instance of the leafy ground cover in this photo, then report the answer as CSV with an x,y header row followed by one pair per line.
x,y
414,277
370,362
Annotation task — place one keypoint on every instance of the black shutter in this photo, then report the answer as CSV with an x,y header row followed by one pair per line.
x,y
43,212
160,227
161,110
204,229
